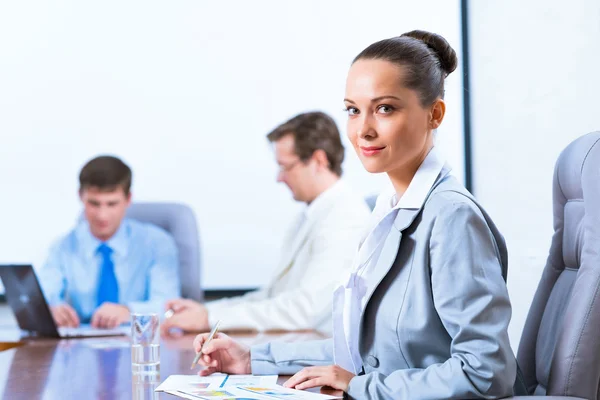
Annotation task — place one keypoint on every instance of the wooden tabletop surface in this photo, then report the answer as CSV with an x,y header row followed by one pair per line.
x,y
96,368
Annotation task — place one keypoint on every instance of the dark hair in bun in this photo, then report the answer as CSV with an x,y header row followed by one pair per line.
x,y
427,59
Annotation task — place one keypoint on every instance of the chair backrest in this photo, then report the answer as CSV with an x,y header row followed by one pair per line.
x,y
559,352
179,220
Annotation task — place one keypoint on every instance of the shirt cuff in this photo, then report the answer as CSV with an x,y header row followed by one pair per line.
x,y
213,315
261,362
356,388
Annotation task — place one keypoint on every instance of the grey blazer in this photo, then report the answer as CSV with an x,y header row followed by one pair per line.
x,y
437,312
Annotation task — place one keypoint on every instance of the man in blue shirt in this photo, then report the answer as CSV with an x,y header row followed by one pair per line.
x,y
109,266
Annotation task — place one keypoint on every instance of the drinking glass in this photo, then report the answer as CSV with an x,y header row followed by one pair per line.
x,y
145,347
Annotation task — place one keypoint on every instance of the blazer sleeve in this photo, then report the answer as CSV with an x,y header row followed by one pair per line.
x,y
288,358
310,302
216,306
472,302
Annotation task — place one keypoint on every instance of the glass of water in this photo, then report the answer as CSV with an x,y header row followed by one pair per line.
x,y
145,347
143,386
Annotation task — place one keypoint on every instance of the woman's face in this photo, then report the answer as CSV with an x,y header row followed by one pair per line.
x,y
387,124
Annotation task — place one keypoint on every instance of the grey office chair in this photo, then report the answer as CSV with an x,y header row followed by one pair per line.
x,y
179,220
559,352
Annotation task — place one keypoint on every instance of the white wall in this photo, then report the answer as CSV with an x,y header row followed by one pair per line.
x,y
184,92
534,88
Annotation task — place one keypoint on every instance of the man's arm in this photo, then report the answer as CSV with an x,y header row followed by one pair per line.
x,y
52,276
53,282
310,302
255,295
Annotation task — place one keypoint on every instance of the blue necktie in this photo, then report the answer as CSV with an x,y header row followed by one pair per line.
x,y
108,288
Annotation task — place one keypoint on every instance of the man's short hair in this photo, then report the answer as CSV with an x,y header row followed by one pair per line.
x,y
313,131
106,173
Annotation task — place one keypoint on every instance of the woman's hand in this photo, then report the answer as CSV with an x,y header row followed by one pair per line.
x,y
222,354
331,375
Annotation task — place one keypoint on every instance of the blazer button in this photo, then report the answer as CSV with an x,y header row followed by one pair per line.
x,y
373,361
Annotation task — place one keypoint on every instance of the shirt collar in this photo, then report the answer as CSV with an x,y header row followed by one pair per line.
x,y
323,199
420,185
90,243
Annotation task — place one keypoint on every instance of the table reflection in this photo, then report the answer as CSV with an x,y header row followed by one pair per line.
x,y
100,368
142,387
28,370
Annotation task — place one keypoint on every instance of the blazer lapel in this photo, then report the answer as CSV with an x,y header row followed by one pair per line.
x,y
389,252
291,249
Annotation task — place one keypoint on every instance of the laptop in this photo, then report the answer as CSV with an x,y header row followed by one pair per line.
x,y
25,297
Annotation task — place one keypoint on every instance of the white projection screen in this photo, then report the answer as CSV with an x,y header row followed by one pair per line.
x,y
185,92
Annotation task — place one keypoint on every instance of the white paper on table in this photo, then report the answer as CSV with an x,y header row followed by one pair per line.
x,y
280,392
219,394
249,380
214,381
225,393
190,382
220,386
181,394
269,392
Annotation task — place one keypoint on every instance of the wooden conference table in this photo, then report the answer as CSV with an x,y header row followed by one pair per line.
x,y
97,368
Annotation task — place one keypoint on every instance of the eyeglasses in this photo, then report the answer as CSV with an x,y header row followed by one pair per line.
x,y
286,168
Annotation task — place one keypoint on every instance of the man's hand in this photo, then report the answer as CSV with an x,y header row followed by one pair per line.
x,y
110,315
189,316
64,315
331,375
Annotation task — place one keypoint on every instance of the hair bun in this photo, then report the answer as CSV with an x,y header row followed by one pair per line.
x,y
440,46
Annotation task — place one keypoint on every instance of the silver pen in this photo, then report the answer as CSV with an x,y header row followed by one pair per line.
x,y
208,339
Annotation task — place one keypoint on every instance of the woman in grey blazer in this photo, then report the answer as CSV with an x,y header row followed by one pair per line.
x,y
425,313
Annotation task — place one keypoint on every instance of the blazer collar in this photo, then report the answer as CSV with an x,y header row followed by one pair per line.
x,y
324,201
419,186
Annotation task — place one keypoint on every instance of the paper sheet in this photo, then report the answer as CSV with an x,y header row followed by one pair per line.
x,y
233,387
279,392
249,380
192,382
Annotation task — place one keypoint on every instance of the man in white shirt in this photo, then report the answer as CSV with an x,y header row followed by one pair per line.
x,y
318,250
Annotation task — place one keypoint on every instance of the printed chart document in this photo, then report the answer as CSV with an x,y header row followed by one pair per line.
x,y
233,387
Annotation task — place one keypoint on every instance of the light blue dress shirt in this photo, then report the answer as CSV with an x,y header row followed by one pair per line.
x,y
145,260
